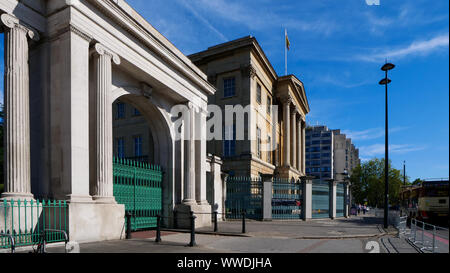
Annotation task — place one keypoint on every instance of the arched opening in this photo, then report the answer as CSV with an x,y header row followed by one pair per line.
x,y
142,143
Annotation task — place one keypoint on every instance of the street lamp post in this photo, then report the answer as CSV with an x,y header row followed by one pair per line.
x,y
386,67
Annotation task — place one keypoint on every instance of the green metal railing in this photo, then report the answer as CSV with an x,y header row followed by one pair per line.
x,y
244,194
138,186
320,199
340,200
287,199
25,220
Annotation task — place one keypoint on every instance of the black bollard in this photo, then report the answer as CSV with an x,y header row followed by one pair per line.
x,y
192,243
158,229
215,221
128,216
175,220
243,222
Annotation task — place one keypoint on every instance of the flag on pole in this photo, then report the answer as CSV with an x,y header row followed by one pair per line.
x,y
288,44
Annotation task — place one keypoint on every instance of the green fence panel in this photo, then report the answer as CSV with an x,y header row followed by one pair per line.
x,y
244,194
320,199
340,200
138,186
287,199
26,220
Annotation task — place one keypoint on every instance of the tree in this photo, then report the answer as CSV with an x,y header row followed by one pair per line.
x,y
368,183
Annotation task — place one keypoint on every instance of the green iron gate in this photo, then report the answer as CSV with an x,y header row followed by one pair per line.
x,y
340,200
137,185
320,199
287,197
244,194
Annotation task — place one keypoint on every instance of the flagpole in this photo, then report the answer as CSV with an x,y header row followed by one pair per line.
x,y
285,52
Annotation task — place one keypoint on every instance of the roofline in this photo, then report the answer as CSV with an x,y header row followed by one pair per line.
x,y
294,79
235,44
163,47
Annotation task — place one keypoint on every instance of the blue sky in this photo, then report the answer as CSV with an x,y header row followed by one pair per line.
x,y
337,49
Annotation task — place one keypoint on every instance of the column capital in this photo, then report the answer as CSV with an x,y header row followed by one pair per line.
x,y
12,22
286,100
295,110
248,71
103,50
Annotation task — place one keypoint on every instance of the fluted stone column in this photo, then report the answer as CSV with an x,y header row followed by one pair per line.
x,y
103,59
299,145
303,146
294,137
17,109
189,164
200,149
286,110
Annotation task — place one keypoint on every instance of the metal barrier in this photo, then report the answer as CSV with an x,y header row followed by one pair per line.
x,y
287,199
138,186
25,220
11,241
429,237
244,194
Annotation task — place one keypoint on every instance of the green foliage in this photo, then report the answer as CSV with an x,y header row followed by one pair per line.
x,y
417,182
368,183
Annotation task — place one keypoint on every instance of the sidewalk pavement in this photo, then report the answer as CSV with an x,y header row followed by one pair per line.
x,y
354,235
340,228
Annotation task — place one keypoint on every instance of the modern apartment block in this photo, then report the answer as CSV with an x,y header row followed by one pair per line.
x,y
243,76
329,154
319,152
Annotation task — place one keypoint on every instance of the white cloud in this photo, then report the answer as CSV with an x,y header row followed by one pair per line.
x,y
423,47
372,133
203,20
379,149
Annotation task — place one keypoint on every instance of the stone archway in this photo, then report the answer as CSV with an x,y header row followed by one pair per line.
x,y
161,135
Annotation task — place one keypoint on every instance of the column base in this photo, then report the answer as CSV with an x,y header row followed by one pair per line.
x,y
78,198
202,212
104,200
16,196
93,222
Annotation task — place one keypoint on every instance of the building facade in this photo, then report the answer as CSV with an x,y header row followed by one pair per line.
x,y
67,62
329,154
330,160
244,77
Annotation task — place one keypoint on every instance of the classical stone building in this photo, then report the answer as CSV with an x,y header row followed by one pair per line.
x,y
66,63
244,76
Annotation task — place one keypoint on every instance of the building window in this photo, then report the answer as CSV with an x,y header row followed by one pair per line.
x,y
258,93
138,146
269,151
258,139
120,110
120,147
229,87
136,112
269,104
229,140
